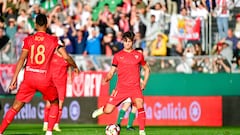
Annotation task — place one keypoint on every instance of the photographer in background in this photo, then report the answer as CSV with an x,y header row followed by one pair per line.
x,y
221,65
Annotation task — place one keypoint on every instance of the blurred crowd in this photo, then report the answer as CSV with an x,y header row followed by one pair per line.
x,y
162,27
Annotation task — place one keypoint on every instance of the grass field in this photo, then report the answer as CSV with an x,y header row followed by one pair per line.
x,y
80,129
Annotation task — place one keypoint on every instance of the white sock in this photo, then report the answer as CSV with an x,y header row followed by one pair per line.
x,y
48,133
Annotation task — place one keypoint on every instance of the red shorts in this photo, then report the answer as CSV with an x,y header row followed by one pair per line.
x,y
117,98
36,82
60,82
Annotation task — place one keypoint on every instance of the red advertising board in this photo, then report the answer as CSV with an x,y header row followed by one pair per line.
x,y
87,84
175,111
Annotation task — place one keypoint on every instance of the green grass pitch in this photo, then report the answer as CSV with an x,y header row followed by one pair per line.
x,y
82,129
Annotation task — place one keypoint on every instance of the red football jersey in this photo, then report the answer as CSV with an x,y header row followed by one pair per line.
x,y
41,47
128,69
58,71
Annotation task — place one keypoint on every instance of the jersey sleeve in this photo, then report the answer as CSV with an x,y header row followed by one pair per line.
x,y
56,42
25,44
115,61
143,61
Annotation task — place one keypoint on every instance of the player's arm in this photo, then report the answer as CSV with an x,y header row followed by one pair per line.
x,y
19,65
109,75
68,58
146,69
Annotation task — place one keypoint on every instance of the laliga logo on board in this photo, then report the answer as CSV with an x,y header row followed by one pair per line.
x,y
195,111
74,110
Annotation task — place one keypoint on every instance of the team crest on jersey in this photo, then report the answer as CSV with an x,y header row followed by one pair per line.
x,y
121,57
110,99
136,56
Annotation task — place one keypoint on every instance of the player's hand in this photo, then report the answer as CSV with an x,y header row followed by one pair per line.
x,y
113,92
13,85
143,85
104,81
76,70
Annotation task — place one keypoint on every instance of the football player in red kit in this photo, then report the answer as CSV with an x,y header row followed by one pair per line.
x,y
58,71
127,63
37,51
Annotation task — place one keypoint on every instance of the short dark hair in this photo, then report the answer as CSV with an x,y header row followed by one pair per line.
x,y
139,49
128,35
41,20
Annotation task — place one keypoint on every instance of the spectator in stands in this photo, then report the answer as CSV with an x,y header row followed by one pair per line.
x,y
136,24
1,7
159,45
79,41
34,10
66,38
124,22
236,65
238,49
104,18
9,13
157,10
109,45
234,39
152,28
175,47
199,10
141,6
22,5
19,37
23,16
93,44
4,46
116,14
222,14
105,13
11,29
2,23
172,7
126,6
111,25
140,43
86,14
224,48
188,61
56,25
9,5
221,65
237,26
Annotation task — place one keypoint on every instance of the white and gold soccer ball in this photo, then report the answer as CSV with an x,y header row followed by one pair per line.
x,y
112,129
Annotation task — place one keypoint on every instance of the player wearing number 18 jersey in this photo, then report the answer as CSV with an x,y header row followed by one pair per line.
x,y
37,51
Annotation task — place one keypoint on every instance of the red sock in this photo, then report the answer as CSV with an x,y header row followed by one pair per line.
x,y
7,119
59,115
46,114
141,118
53,113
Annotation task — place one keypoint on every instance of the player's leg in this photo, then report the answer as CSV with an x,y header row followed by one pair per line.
x,y
24,95
108,108
46,114
49,93
56,126
53,113
60,82
141,115
131,118
16,107
125,105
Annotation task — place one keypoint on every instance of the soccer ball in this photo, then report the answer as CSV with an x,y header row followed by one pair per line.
x,y
112,129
